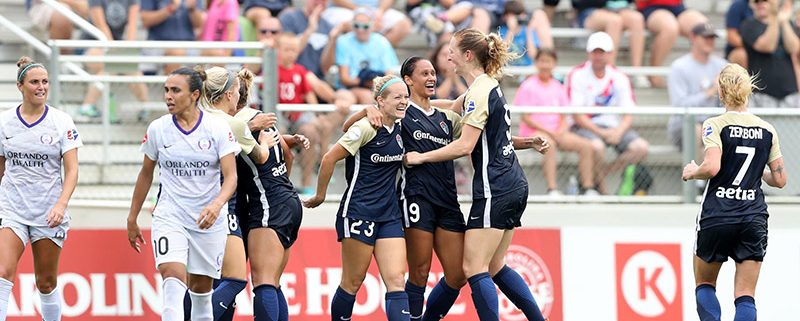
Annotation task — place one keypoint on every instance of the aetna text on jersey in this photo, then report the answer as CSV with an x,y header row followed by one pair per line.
x,y
736,193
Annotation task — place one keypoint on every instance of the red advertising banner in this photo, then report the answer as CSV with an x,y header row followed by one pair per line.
x,y
103,279
649,282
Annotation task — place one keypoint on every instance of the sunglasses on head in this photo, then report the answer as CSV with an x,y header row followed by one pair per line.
x,y
358,25
266,31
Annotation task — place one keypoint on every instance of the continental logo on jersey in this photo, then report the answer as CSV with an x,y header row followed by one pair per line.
x,y
377,158
72,134
444,127
470,107
144,140
708,131
738,194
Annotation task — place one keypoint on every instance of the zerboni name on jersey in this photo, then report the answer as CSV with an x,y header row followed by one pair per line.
x,y
196,168
746,133
736,193
420,135
376,158
27,159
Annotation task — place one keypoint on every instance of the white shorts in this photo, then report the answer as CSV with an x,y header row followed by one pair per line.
x,y
338,15
40,15
25,232
201,252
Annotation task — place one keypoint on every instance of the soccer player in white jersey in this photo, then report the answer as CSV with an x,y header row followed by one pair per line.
x,y
732,222
190,222
35,141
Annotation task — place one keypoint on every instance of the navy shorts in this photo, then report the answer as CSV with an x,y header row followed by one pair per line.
x,y
234,226
583,15
367,232
419,213
500,212
675,10
284,218
740,241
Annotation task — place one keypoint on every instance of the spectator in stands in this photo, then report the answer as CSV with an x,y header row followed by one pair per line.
x,y
550,8
267,30
597,83
222,24
393,24
738,12
46,18
438,19
293,88
543,90
771,42
258,10
693,82
117,20
363,55
614,16
666,19
448,84
525,32
172,21
486,14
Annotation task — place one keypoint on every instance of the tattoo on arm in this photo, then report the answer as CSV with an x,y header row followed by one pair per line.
x,y
779,170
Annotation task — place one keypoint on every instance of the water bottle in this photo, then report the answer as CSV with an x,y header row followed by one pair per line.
x,y
572,187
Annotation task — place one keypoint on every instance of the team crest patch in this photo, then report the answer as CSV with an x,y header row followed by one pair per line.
x,y
707,131
444,127
470,107
204,144
72,134
399,140
46,139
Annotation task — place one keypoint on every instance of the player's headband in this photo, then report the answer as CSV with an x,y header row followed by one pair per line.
x,y
389,82
24,70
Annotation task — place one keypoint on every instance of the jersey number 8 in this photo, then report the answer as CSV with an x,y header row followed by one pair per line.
x,y
233,222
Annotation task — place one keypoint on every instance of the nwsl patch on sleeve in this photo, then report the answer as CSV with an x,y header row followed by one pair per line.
x,y
72,134
708,131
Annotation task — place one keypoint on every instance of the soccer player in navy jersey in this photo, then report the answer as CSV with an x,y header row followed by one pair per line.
x,y
733,217
189,226
36,143
500,189
369,222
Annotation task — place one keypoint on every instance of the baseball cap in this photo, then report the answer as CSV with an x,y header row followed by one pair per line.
x,y
704,29
600,40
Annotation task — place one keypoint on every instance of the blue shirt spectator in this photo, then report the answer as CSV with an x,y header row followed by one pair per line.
x,y
177,26
375,54
295,20
519,44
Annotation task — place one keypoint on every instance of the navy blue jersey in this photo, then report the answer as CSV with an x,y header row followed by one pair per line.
x,y
497,170
371,172
423,132
748,144
267,183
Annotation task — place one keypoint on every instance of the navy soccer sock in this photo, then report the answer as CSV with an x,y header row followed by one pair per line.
x,y
342,305
745,309
484,296
265,304
707,303
416,299
283,307
224,296
516,290
187,307
440,301
397,306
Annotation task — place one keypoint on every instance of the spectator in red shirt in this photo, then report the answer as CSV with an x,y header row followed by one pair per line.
x,y
293,88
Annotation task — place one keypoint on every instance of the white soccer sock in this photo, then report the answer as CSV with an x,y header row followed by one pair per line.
x,y
51,305
202,310
173,291
5,292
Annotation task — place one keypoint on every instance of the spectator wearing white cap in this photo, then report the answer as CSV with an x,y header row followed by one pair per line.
x,y
391,23
597,83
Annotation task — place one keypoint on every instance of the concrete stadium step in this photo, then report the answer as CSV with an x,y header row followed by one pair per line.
x,y
108,192
120,134
94,174
117,154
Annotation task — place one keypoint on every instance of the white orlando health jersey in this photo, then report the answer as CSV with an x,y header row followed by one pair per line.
x,y
189,167
32,181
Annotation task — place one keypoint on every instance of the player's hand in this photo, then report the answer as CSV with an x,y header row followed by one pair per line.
x,y
302,141
314,201
539,143
56,215
412,159
135,237
208,216
689,170
262,121
271,137
374,116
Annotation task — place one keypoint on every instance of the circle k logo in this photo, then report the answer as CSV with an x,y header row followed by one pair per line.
x,y
534,271
648,282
